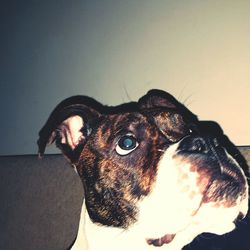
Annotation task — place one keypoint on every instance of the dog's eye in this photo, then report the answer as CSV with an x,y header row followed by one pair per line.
x,y
126,144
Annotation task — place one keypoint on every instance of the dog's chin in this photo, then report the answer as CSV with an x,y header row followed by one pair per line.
x,y
176,241
209,219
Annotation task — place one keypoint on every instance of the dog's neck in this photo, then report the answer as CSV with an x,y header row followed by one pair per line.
x,y
92,236
96,237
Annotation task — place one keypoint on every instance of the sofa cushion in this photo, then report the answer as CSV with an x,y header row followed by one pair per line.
x,y
40,203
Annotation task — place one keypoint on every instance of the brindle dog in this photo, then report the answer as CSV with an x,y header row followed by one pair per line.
x,y
153,174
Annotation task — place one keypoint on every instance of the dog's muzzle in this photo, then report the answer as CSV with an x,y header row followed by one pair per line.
x,y
208,189
222,180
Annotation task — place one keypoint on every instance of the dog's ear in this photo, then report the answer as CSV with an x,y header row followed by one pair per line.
x,y
167,113
69,126
158,99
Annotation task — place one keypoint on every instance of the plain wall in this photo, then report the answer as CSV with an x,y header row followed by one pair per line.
x,y
115,51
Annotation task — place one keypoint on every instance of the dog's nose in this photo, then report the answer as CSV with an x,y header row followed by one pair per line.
x,y
198,144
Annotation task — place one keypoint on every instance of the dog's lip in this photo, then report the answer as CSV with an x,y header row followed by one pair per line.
x,y
166,239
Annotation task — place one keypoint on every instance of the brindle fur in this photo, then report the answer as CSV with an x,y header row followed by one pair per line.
x,y
113,184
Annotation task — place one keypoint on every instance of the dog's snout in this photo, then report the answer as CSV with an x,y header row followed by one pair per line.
x,y
215,166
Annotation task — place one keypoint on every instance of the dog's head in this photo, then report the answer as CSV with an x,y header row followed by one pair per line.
x,y
151,164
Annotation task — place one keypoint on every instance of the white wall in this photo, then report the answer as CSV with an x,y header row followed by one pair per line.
x,y
197,50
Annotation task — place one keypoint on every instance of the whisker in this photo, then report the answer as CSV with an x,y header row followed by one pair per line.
x,y
161,150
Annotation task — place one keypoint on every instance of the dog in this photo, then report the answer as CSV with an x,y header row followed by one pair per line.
x,y
153,174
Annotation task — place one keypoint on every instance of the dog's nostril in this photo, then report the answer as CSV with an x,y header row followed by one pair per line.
x,y
204,145
216,142
197,145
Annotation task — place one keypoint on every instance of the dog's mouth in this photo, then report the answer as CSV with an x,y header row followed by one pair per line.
x,y
166,239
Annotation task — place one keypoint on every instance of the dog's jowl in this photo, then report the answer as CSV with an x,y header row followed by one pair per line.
x,y
153,175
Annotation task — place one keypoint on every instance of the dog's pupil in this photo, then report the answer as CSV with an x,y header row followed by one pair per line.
x,y
127,142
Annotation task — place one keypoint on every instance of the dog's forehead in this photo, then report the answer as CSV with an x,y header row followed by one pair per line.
x,y
150,117
121,123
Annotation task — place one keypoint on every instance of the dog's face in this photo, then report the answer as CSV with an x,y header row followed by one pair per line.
x,y
151,164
